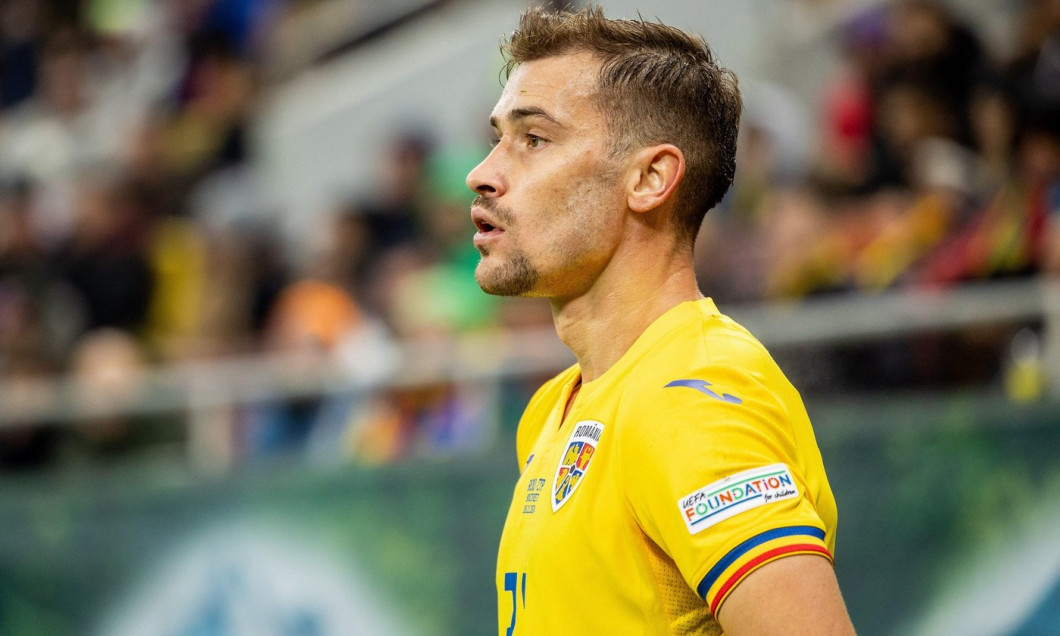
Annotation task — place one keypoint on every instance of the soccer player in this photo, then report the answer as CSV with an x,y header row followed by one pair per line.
x,y
671,483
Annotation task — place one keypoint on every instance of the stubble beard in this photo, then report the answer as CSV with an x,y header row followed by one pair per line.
x,y
514,277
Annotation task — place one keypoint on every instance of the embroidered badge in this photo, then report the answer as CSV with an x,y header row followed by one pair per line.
x,y
575,460
735,494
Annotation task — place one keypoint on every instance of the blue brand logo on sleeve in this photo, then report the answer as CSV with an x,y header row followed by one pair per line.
x,y
704,387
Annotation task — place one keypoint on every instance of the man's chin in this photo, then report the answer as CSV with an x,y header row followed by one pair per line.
x,y
505,279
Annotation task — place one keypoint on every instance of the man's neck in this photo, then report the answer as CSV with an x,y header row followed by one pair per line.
x,y
602,324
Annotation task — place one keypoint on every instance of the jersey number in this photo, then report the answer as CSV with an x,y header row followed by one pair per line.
x,y
511,583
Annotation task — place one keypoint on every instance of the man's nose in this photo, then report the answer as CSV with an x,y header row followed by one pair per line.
x,y
486,179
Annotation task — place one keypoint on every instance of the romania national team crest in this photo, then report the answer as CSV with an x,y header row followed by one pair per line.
x,y
575,460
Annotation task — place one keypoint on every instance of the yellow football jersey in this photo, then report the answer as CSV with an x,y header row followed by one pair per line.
x,y
680,470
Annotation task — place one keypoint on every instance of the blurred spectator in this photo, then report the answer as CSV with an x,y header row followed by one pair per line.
x,y
313,319
1010,234
394,213
245,272
177,255
46,313
309,319
209,130
105,259
49,136
1035,68
20,26
241,23
930,45
33,335
21,255
941,171
25,443
995,115
847,103
311,315
908,113
107,365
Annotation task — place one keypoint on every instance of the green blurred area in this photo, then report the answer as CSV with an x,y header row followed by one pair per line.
x,y
922,482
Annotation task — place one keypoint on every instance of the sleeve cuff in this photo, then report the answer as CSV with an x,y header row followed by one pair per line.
x,y
754,553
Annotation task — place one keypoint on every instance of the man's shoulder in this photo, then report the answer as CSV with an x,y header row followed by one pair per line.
x,y
706,347
725,341
710,373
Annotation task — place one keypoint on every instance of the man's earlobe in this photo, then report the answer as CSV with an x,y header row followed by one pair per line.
x,y
659,170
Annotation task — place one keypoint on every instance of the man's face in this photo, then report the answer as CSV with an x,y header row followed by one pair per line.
x,y
551,201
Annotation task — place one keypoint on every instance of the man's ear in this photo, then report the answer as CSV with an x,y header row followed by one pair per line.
x,y
657,171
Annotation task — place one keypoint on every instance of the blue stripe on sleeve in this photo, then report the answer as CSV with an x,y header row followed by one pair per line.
x,y
742,549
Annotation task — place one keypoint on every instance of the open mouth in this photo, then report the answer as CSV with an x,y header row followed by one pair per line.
x,y
483,222
486,232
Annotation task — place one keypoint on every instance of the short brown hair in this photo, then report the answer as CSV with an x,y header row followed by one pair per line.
x,y
657,84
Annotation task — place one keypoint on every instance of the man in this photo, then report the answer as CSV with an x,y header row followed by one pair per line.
x,y
670,480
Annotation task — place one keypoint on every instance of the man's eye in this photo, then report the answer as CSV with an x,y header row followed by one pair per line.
x,y
533,141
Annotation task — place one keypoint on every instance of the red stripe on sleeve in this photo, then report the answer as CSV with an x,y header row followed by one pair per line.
x,y
759,560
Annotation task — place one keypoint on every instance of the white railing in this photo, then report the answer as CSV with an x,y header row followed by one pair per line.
x,y
208,390
869,316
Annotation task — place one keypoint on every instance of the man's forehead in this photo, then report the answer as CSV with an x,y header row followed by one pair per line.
x,y
556,85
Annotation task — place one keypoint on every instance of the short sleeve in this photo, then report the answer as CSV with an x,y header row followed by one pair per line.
x,y
713,476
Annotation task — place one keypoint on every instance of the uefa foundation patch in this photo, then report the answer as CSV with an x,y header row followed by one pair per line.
x,y
575,460
735,494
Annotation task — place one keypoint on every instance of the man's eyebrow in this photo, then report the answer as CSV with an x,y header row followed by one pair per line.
x,y
516,114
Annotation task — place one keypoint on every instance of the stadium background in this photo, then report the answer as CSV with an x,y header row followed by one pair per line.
x,y
248,386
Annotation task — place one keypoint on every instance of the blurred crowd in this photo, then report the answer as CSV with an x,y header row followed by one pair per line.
x,y
129,235
936,162
132,234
